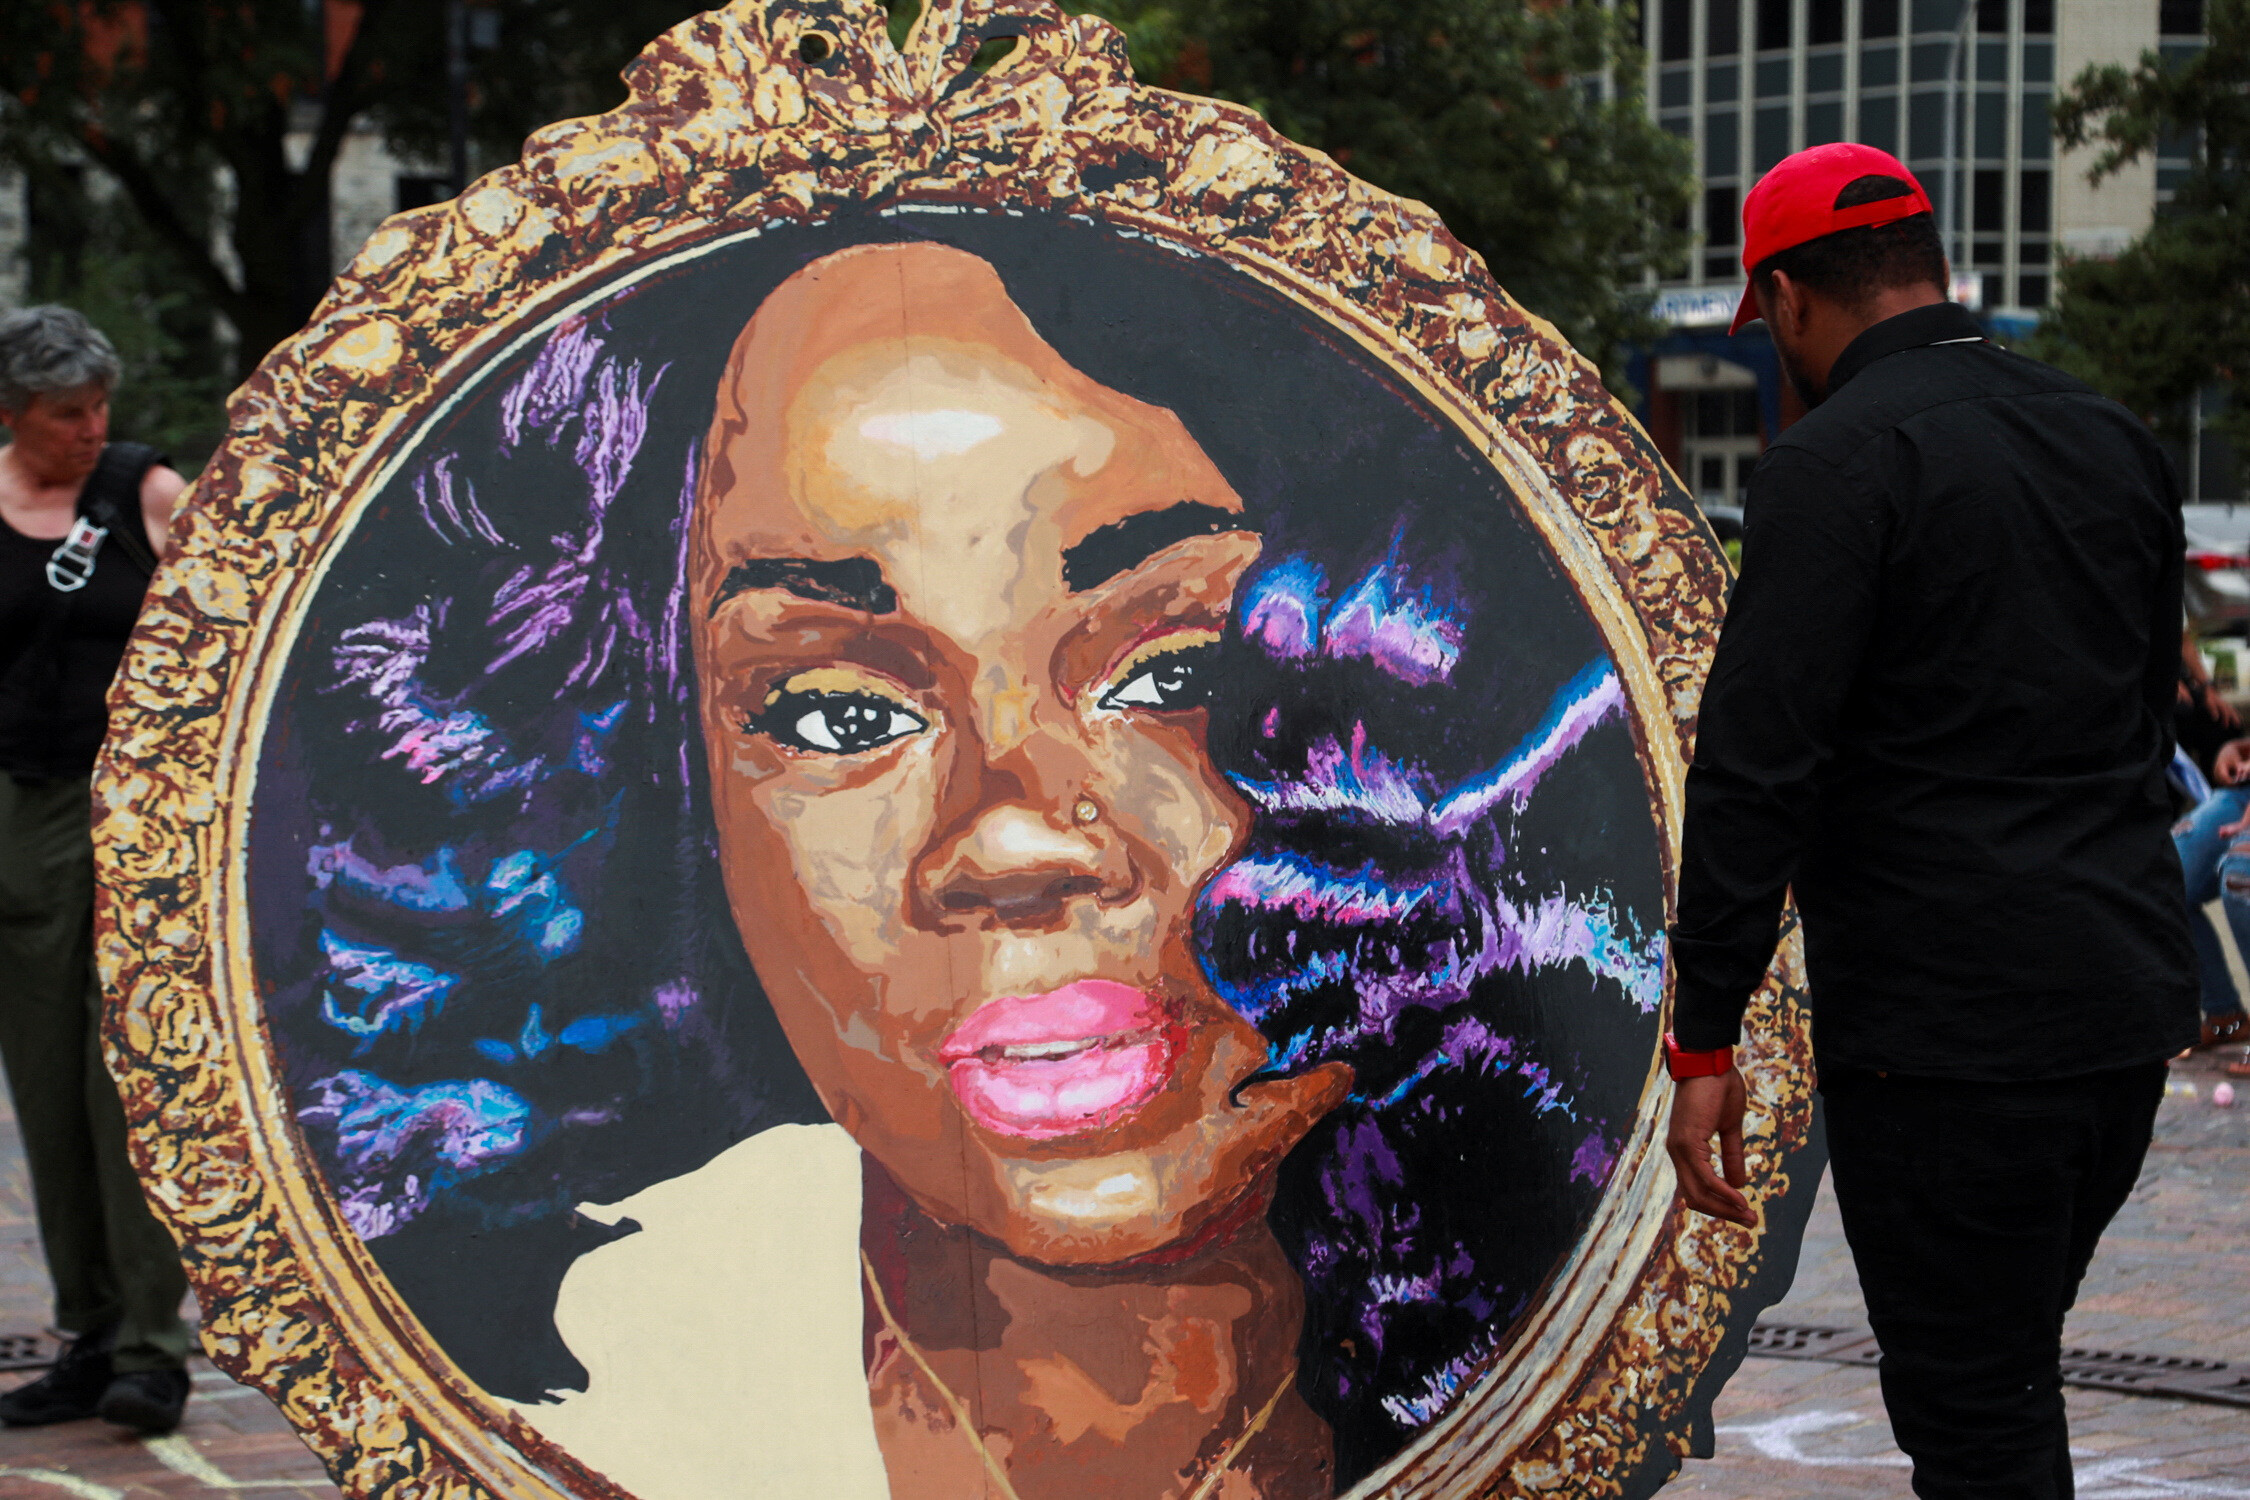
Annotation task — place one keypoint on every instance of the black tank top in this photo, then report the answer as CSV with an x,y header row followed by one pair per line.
x,y
53,717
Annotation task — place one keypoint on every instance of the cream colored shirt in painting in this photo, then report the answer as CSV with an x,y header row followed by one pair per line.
x,y
722,1342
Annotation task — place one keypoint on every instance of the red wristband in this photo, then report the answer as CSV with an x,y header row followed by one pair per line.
x,y
1694,1064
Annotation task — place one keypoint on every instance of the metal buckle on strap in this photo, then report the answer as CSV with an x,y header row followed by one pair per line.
x,y
72,563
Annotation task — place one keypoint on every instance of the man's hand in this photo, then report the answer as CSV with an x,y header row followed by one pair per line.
x,y
1703,1108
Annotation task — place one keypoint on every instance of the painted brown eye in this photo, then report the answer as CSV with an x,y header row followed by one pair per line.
x,y
1166,682
835,723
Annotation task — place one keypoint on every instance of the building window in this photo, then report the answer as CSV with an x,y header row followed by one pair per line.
x,y
1722,219
1773,24
1995,289
1824,72
1991,138
1771,141
2179,17
1722,144
1824,122
2038,62
1992,62
1937,15
1722,28
1722,84
2034,193
1824,22
2031,291
1992,17
1722,231
1773,78
1925,133
1675,87
1990,193
1931,60
1878,67
1878,18
1989,252
1721,413
2032,253
2039,20
1676,30
1878,122
2038,127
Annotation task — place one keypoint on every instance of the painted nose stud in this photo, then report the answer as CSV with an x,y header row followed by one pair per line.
x,y
1084,810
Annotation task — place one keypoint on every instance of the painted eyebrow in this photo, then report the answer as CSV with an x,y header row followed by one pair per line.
x,y
1122,546
854,582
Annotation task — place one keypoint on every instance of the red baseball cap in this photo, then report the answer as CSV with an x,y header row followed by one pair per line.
x,y
1796,202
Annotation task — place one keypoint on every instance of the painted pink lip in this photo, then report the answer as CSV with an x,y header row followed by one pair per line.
x,y
1076,1058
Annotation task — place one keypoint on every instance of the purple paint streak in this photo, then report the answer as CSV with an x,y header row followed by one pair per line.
x,y
1593,1160
555,383
1289,881
1585,701
1336,779
465,1128
1407,635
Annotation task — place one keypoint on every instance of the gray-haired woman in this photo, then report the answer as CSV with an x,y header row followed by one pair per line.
x,y
82,522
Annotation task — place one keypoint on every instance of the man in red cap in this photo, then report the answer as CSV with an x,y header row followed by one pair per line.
x,y
1941,711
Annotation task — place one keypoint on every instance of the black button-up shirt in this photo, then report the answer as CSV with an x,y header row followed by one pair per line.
x,y
1941,709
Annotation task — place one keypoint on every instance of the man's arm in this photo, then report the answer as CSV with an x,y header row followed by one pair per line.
x,y
1795,634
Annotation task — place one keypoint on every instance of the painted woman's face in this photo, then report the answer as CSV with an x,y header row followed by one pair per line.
x,y
956,607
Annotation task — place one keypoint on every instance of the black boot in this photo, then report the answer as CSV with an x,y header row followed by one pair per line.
x,y
148,1401
67,1393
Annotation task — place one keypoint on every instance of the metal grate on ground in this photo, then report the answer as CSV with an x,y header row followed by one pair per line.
x,y
2172,1376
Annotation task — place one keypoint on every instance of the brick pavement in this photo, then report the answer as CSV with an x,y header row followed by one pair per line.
x,y
233,1441
2169,1280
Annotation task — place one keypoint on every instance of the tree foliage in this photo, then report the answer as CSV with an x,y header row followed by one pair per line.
x,y
1493,112
218,123
2171,314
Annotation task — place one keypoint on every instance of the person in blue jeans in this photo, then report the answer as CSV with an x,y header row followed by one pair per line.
x,y
2215,855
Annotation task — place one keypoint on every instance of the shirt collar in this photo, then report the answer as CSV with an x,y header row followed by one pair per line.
x,y
1938,323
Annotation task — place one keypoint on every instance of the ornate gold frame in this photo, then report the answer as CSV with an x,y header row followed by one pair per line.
x,y
739,122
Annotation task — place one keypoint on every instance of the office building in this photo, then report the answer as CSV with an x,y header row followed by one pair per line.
x,y
1958,89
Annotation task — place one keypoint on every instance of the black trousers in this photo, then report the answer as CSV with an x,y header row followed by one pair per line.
x,y
1972,1210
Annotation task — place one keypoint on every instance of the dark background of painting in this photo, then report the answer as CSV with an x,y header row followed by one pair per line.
x,y
1326,450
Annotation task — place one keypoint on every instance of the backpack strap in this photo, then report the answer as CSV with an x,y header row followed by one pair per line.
x,y
111,499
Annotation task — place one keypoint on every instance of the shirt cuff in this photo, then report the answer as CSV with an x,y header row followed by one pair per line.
x,y
1706,1020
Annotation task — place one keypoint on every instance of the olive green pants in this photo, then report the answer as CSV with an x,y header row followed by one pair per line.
x,y
112,1263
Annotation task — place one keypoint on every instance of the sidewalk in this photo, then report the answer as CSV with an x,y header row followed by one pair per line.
x,y
232,1442
2171,1278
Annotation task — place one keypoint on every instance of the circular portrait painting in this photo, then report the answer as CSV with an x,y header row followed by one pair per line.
x,y
931,783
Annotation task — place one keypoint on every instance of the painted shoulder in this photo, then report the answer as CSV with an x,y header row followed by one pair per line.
x,y
722,1341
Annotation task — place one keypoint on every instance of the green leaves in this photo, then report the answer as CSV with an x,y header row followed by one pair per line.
x,y
2171,314
1521,123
